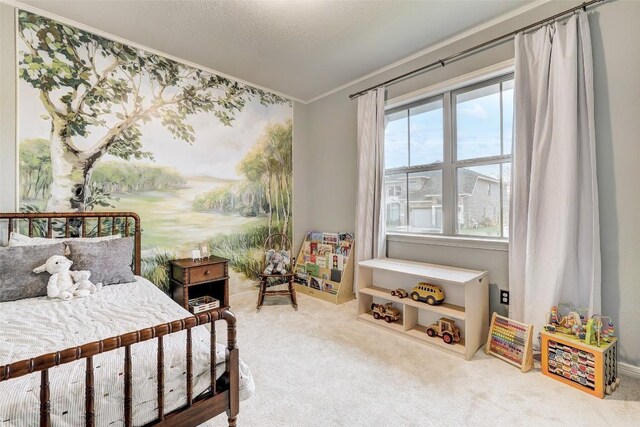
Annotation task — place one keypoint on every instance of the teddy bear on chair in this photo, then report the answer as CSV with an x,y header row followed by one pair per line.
x,y
64,283
277,262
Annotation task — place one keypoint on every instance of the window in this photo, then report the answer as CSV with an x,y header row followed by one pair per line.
x,y
448,162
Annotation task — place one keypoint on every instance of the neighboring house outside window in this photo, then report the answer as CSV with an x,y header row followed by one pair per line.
x,y
447,162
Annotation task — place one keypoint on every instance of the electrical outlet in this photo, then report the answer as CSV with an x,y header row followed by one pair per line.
x,y
504,297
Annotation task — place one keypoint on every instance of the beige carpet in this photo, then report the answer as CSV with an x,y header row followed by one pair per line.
x,y
318,366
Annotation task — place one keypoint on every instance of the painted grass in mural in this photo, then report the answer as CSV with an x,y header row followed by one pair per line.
x,y
105,126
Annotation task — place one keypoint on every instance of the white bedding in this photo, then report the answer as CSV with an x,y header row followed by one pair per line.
x,y
37,326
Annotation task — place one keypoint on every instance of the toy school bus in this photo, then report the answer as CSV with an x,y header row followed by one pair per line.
x,y
431,294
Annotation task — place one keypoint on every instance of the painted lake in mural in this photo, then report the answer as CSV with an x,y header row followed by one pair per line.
x,y
171,224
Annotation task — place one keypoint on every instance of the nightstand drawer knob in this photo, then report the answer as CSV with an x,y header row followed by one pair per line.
x,y
207,272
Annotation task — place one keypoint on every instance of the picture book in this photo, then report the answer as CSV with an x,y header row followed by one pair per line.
x,y
330,237
313,258
316,283
315,236
312,269
337,261
306,248
313,248
322,272
336,275
325,249
321,261
328,287
345,237
344,248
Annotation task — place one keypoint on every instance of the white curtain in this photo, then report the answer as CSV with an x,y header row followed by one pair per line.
x,y
370,209
554,243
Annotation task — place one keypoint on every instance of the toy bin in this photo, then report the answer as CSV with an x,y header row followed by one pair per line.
x,y
589,368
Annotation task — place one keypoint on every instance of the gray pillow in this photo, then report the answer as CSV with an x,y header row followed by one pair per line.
x,y
108,261
17,280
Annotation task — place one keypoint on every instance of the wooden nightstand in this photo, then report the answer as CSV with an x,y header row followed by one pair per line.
x,y
192,279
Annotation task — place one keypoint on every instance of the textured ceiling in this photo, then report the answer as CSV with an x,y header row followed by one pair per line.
x,y
298,48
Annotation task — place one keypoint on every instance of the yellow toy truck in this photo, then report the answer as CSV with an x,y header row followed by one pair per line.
x,y
426,292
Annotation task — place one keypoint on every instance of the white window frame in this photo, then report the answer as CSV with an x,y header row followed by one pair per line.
x,y
449,236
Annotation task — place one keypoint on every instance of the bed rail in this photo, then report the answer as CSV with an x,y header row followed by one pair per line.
x,y
77,224
215,401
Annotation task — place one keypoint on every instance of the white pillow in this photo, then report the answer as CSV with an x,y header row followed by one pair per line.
x,y
17,239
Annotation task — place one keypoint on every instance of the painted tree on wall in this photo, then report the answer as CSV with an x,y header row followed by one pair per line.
x,y
91,90
268,167
266,187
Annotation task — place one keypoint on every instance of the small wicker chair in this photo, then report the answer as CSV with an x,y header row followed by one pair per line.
x,y
277,241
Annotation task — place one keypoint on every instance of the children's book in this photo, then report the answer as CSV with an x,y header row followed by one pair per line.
x,y
325,249
345,237
322,261
313,248
313,269
337,262
328,287
315,236
336,276
306,248
330,237
324,272
316,283
344,248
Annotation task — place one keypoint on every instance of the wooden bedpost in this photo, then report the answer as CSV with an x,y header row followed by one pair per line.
x,y
45,405
189,369
128,396
212,352
232,368
160,378
90,416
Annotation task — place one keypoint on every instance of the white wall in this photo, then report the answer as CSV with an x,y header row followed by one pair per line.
x,y
300,175
615,30
615,35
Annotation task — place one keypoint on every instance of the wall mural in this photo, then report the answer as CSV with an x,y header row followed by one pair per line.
x,y
105,126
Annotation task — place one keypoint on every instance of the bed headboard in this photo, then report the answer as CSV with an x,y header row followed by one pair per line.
x,y
76,224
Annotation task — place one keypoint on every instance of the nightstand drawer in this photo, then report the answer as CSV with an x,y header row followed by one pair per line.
x,y
206,273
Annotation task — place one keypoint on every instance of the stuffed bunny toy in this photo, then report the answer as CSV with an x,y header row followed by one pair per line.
x,y
64,283
277,262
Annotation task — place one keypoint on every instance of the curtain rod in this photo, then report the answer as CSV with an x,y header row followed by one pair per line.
x,y
442,62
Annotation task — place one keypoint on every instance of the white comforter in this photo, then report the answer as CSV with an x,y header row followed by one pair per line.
x,y
37,326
